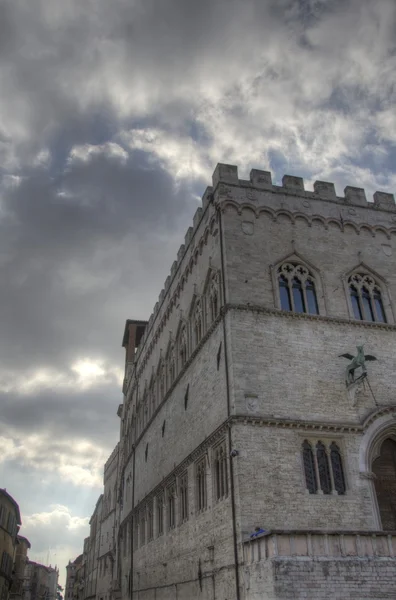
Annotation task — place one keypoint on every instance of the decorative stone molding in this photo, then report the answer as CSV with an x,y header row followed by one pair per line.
x,y
317,545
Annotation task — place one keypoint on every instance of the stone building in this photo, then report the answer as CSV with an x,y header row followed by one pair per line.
x,y
40,581
71,576
21,559
252,466
106,571
10,521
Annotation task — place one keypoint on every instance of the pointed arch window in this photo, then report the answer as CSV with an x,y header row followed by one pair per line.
x,y
214,297
297,290
338,471
366,298
183,346
171,507
220,472
198,323
323,468
184,497
309,468
201,485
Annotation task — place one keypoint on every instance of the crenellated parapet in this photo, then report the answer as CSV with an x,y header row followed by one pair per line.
x,y
225,176
112,458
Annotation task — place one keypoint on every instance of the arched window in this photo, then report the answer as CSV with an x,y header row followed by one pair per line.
x,y
171,507
184,497
220,472
214,296
338,471
183,346
198,323
323,468
297,290
366,298
384,469
309,468
201,484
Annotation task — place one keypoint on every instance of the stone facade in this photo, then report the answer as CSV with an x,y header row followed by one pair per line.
x,y
248,467
10,521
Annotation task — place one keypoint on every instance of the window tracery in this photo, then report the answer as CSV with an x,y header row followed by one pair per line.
x,y
366,298
323,467
297,289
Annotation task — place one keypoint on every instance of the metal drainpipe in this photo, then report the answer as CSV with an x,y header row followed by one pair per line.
x,y
234,527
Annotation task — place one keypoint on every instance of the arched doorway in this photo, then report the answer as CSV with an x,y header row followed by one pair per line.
x,y
384,469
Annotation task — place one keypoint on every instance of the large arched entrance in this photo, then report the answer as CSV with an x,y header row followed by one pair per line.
x,y
384,469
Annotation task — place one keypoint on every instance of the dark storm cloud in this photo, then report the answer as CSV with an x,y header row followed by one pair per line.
x,y
70,247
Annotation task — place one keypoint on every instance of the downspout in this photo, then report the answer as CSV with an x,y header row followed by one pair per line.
x,y
234,526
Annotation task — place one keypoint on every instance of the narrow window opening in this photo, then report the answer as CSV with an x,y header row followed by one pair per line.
x,y
323,468
338,471
163,429
309,468
186,397
367,305
146,452
298,297
284,293
219,356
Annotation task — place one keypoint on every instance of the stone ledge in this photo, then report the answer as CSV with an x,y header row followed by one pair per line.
x,y
314,544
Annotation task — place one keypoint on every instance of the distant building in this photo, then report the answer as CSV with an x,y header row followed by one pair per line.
x,y
40,582
10,521
71,573
21,560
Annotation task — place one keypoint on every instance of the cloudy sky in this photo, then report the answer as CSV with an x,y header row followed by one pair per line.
x,y
113,116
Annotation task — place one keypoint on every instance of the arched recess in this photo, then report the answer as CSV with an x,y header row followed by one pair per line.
x,y
377,464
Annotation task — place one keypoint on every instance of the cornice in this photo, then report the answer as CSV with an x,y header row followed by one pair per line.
x,y
307,317
224,202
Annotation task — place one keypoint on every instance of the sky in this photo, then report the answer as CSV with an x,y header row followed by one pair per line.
x,y
113,116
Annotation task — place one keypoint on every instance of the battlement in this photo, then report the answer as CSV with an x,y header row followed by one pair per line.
x,y
228,174
255,192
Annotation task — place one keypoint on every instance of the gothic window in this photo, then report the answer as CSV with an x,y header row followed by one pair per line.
x,y
184,497
162,382
171,507
172,368
201,490
160,514
198,323
338,471
323,468
220,472
384,469
183,346
150,522
366,298
297,290
309,468
152,396
214,297
321,474
142,527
